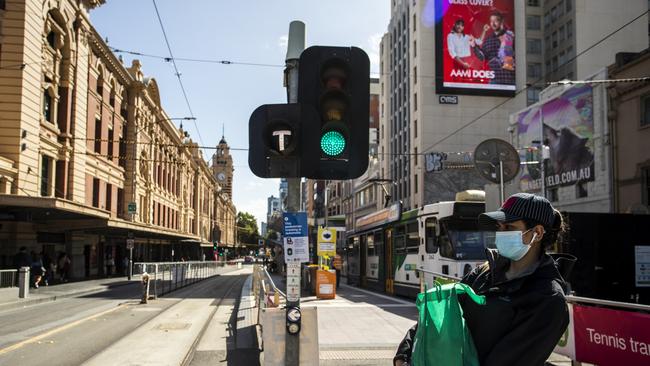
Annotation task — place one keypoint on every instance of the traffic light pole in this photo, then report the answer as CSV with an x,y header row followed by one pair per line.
x,y
295,46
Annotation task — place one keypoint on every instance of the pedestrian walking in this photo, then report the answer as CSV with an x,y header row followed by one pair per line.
x,y
22,259
37,270
110,263
337,263
64,267
525,313
50,269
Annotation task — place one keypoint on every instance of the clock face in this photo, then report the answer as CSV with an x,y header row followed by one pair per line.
x,y
221,176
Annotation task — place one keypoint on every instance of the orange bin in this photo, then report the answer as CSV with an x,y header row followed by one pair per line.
x,y
325,284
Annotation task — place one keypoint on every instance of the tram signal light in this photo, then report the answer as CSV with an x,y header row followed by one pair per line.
x,y
335,82
275,141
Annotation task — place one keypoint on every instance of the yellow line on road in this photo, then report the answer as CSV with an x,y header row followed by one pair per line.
x,y
15,346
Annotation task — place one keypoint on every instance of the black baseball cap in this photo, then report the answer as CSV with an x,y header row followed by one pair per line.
x,y
520,206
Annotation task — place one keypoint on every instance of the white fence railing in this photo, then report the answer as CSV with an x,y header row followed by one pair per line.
x,y
8,278
165,277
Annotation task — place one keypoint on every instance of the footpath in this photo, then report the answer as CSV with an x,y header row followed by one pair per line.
x,y
360,327
9,296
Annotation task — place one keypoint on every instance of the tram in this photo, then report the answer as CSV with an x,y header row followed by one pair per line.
x,y
388,246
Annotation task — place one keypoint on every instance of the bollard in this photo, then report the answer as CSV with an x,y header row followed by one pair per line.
x,y
145,288
23,282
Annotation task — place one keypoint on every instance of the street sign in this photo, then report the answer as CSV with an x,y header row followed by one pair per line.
x,y
293,281
296,244
326,242
130,243
132,207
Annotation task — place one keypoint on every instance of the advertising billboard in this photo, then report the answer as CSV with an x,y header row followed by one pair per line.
x,y
568,132
475,50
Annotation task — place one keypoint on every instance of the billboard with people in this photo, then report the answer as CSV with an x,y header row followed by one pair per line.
x,y
568,128
475,47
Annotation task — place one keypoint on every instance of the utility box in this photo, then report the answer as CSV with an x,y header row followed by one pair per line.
x,y
325,284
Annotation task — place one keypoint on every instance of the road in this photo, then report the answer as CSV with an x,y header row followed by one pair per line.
x,y
88,329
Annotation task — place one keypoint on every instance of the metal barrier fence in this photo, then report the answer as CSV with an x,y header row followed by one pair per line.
x,y
267,294
8,277
165,277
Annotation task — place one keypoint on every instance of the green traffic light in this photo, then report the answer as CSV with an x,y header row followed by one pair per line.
x,y
332,143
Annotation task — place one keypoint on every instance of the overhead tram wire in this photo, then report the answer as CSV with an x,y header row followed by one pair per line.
x,y
538,81
178,74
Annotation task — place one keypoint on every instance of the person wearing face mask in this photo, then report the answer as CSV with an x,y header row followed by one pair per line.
x,y
525,312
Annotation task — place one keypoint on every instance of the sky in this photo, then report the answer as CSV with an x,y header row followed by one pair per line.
x,y
222,97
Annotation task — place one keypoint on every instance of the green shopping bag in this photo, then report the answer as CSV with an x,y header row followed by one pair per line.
x,y
442,338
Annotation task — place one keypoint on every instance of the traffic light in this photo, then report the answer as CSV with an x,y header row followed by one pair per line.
x,y
335,82
275,141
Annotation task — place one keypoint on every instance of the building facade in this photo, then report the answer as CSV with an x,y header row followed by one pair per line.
x,y
629,117
88,156
419,124
222,167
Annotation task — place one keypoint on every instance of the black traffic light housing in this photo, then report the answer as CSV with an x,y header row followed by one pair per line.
x,y
275,140
335,82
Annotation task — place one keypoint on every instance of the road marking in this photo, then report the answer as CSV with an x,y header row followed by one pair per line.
x,y
55,330
378,295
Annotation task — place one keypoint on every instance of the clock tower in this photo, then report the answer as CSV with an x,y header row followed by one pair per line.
x,y
222,167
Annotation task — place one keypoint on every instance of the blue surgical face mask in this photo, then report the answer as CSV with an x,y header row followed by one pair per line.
x,y
510,244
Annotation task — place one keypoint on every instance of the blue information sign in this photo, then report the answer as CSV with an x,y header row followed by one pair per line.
x,y
296,244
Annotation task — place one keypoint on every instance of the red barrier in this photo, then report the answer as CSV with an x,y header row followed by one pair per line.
x,y
611,337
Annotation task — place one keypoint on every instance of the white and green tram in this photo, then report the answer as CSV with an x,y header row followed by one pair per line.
x,y
390,249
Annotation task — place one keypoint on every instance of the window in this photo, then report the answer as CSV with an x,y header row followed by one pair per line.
x,y
415,48
568,5
562,58
645,110
533,2
98,135
415,128
110,143
554,63
534,46
581,190
47,106
430,237
415,101
415,159
532,95
95,192
109,197
46,171
412,238
547,19
534,70
51,39
414,23
562,33
569,29
415,183
533,22
100,87
554,39
415,74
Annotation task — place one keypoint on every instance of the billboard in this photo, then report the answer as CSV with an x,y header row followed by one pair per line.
x,y
568,132
475,50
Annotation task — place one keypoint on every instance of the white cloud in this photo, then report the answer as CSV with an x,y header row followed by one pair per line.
x,y
373,51
283,42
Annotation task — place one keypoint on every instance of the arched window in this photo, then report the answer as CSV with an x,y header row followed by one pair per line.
x,y
47,106
100,85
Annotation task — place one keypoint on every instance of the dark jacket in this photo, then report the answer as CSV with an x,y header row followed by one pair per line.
x,y
522,319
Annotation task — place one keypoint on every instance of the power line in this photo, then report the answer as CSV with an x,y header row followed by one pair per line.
x,y
199,60
178,74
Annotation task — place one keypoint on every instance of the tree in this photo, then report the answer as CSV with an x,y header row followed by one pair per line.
x,y
247,232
